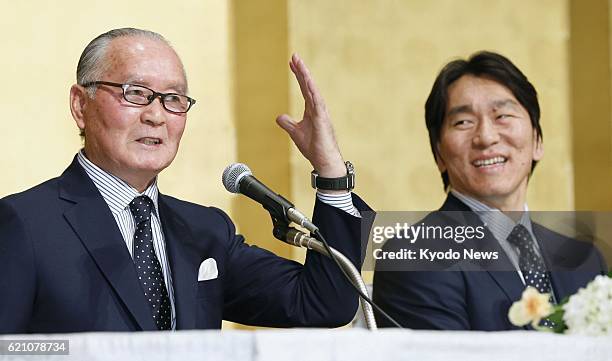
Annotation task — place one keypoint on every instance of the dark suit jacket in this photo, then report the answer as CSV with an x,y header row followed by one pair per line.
x,y
462,298
64,266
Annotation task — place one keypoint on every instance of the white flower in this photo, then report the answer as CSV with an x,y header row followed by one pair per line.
x,y
589,311
532,307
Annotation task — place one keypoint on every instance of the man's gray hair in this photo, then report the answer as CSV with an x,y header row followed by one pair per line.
x,y
92,64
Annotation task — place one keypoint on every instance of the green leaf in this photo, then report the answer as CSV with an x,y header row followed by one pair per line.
x,y
557,318
559,328
610,273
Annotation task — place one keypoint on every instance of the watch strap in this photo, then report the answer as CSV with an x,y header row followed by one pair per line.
x,y
340,183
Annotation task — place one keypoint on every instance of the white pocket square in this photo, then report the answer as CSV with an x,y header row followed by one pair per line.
x,y
208,270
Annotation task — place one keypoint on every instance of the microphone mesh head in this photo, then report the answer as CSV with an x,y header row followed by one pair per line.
x,y
232,176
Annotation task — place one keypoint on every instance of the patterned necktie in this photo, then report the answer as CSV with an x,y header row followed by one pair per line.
x,y
531,263
147,265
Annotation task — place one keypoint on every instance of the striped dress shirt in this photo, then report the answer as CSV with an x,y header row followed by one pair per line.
x,y
343,201
118,194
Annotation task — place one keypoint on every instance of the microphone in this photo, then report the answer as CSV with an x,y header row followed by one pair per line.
x,y
238,178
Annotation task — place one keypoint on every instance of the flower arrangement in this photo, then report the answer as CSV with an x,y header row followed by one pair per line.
x,y
587,312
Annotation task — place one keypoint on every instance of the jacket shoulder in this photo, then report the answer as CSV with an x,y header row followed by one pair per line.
x,y
36,195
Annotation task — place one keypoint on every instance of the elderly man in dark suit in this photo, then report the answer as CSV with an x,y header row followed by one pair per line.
x,y
484,128
101,249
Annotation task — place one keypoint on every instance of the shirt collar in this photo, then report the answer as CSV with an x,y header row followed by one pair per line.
x,y
116,192
498,223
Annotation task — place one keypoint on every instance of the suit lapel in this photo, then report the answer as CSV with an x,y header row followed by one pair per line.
x,y
508,281
502,270
92,221
184,263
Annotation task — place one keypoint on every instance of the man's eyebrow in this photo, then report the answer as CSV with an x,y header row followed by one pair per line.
x,y
180,88
505,102
459,109
466,108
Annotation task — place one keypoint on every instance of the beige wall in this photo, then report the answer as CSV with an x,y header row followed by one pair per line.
x,y
260,76
374,61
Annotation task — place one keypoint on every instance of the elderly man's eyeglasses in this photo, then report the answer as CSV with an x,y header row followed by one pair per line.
x,y
141,95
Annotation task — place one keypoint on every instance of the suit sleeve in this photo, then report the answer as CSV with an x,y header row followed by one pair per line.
x,y
422,299
419,295
17,272
263,289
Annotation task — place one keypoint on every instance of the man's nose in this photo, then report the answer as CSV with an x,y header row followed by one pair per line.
x,y
154,113
486,134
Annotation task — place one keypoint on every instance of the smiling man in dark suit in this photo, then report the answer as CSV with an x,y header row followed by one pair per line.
x,y
101,249
483,119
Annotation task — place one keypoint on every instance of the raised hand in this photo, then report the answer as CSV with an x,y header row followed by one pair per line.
x,y
314,134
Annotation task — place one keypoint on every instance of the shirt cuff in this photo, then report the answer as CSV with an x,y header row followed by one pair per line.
x,y
342,201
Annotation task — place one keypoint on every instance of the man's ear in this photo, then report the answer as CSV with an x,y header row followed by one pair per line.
x,y
538,147
439,161
78,102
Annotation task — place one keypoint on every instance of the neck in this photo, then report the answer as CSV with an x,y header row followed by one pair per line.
x,y
506,205
140,181
511,204
139,184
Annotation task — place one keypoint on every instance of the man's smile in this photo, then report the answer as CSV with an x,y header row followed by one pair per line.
x,y
489,162
149,141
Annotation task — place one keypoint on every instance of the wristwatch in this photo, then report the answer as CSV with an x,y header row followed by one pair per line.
x,y
345,183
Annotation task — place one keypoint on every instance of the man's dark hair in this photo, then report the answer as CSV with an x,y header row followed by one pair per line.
x,y
486,65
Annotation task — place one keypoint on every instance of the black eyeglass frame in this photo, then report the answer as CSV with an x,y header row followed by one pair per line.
x,y
150,98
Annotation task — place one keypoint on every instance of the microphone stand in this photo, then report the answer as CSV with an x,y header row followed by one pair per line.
x,y
292,236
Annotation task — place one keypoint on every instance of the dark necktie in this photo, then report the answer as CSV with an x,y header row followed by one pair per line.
x,y
531,263
147,265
